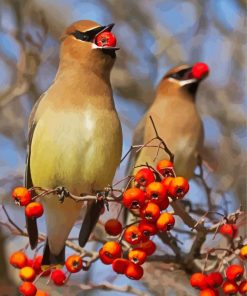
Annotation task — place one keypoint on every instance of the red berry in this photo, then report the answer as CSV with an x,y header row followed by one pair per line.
x,y
41,293
165,222
144,177
165,167
148,247
134,271
147,228
200,70
151,212
234,272
157,193
120,265
137,256
133,235
34,210
199,280
134,198
27,274
113,227
209,292
230,230
58,277
166,182
243,287
178,187
18,259
36,265
110,251
73,263
106,39
214,279
229,288
27,289
21,196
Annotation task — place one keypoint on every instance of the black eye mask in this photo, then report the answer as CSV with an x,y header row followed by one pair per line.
x,y
181,75
87,36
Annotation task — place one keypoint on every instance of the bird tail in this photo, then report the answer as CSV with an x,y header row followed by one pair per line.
x,y
90,220
49,258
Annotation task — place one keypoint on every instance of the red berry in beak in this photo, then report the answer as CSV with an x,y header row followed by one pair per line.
x,y
200,70
106,39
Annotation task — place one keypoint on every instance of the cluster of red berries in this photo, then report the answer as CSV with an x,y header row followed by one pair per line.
x,y
30,268
22,197
148,198
213,283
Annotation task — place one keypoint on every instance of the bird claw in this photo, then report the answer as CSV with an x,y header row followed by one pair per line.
x,y
102,197
62,192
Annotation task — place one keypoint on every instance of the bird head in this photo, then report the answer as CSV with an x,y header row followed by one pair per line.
x,y
79,45
184,78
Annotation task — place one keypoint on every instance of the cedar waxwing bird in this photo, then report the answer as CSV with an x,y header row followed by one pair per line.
x,y
176,119
75,137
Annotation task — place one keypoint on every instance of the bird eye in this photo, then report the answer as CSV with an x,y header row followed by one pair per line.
x,y
82,36
179,75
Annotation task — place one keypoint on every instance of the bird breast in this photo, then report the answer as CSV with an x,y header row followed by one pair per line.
x,y
80,150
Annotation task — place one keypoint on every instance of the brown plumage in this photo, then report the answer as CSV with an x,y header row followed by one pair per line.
x,y
177,121
75,137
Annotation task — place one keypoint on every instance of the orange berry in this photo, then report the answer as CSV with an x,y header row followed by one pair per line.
x,y
166,182
229,288
230,230
144,177
178,187
58,277
214,279
151,212
21,196
242,289
137,256
234,272
41,293
209,292
36,265
120,265
165,167
165,222
134,198
27,289
73,263
199,280
134,271
148,247
157,193
27,274
34,210
147,228
133,235
113,227
18,259
243,252
110,251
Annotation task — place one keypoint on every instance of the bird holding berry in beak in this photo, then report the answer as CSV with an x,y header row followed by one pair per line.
x,y
176,118
75,136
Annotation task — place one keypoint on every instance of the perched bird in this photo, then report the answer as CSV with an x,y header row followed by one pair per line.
x,y
75,136
176,119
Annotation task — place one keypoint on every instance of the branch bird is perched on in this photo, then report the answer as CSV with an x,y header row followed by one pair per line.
x,y
176,118
75,136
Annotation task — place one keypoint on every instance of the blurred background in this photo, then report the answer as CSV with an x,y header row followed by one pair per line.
x,y
153,36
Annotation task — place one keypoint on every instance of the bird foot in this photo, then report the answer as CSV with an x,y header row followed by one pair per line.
x,y
62,192
102,197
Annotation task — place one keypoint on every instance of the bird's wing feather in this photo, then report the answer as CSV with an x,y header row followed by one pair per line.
x,y
32,228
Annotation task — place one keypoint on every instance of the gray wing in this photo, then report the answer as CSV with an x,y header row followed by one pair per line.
x,y
31,224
